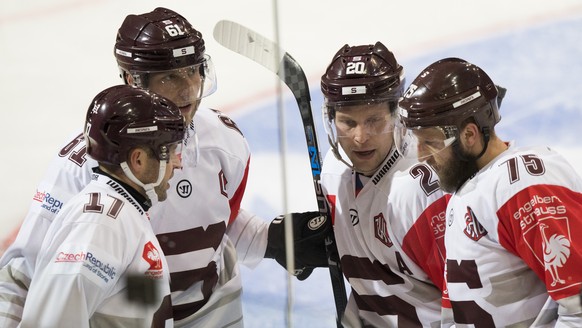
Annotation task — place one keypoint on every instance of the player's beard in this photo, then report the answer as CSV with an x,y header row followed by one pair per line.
x,y
455,171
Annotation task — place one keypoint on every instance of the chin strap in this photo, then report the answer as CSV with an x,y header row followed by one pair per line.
x,y
336,152
150,187
486,137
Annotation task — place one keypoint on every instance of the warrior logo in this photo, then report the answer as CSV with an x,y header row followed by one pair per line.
x,y
354,216
474,229
184,188
381,230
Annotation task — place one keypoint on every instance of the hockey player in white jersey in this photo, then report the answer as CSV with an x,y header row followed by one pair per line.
x,y
387,211
201,221
103,236
201,224
513,249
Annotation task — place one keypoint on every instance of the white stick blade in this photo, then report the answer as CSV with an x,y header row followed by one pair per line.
x,y
249,43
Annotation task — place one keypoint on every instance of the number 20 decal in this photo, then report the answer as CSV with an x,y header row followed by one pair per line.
x,y
356,68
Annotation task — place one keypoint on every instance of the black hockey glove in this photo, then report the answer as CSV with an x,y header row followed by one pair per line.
x,y
309,232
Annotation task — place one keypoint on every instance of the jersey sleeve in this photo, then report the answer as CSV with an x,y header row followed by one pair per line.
x,y
424,242
419,207
224,139
77,269
249,235
60,301
236,199
540,222
68,172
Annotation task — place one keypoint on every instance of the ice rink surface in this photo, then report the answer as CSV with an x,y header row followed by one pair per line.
x,y
57,54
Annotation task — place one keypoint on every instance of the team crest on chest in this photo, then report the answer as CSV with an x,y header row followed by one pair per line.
x,y
223,182
473,228
381,230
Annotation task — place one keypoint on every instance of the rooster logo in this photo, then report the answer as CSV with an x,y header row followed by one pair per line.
x,y
152,256
556,252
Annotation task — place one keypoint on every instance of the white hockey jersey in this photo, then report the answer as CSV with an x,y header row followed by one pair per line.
x,y
68,173
513,239
100,238
202,204
390,240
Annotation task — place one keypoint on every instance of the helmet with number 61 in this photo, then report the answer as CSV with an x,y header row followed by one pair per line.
x,y
163,43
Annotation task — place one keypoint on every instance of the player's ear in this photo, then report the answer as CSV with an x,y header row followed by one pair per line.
x,y
128,78
137,160
470,135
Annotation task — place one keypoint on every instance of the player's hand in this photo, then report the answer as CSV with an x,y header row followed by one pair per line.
x,y
309,232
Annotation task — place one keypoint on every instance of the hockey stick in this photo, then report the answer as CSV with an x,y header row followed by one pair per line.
x,y
268,54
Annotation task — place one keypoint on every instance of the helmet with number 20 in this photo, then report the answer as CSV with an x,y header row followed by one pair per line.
x,y
364,76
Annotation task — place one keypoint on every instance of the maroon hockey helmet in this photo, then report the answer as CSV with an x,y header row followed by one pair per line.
x,y
156,41
448,92
163,41
443,97
123,117
362,74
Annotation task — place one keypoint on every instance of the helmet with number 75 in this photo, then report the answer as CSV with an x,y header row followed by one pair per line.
x,y
447,93
441,99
